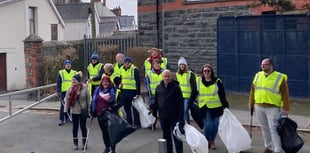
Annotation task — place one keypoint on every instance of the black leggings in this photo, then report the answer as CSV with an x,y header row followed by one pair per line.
x,y
76,120
103,124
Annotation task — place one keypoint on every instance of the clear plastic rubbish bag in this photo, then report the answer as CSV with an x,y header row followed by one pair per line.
x,y
146,118
195,139
233,134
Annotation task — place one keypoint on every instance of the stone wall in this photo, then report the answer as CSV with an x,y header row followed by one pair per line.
x,y
187,32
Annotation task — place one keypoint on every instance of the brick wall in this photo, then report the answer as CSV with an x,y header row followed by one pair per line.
x,y
33,50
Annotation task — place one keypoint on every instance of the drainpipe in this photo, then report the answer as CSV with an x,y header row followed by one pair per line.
x,y
157,22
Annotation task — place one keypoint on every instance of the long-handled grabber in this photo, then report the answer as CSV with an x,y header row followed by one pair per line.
x,y
251,122
63,103
88,131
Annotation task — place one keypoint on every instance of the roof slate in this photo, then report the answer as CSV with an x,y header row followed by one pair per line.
x,y
74,11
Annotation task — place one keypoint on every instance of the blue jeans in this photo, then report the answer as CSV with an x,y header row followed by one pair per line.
x,y
210,126
186,110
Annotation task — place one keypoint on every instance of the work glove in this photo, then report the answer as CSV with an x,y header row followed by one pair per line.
x,y
93,114
181,126
59,94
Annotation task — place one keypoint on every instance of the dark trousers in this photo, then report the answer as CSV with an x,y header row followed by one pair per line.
x,y
77,120
167,126
93,88
62,114
103,124
126,98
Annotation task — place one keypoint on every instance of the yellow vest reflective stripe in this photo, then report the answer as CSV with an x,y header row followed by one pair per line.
x,y
94,71
66,79
148,65
208,95
128,78
154,80
117,69
267,89
185,84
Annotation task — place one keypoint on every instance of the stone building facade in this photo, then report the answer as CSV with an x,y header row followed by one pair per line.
x,y
187,28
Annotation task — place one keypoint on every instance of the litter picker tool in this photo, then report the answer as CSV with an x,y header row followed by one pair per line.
x,y
88,131
63,103
251,122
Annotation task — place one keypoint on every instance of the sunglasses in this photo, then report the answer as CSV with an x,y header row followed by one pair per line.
x,y
207,71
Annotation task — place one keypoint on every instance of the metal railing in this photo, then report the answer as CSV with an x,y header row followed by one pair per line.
x,y
39,100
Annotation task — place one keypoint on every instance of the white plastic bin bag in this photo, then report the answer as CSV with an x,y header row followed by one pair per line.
x,y
233,134
146,119
195,139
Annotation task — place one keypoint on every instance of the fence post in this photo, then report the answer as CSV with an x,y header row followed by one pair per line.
x,y
162,146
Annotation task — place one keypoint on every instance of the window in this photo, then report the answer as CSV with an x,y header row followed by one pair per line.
x,y
54,31
32,20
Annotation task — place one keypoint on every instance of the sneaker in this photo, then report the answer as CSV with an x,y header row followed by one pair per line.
x,y
60,123
267,150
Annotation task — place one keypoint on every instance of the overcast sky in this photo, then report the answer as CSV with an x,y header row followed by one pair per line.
x,y
129,7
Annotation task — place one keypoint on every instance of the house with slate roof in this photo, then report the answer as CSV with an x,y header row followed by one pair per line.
x,y
19,19
77,17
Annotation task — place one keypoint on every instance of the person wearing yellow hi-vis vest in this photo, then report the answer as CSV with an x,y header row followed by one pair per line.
x,y
211,101
116,80
188,85
269,97
154,54
151,81
130,89
63,83
95,71
119,58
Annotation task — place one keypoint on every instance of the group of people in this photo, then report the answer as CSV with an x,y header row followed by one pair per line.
x,y
111,86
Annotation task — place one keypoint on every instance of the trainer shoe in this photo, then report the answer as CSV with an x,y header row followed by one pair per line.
x,y
60,123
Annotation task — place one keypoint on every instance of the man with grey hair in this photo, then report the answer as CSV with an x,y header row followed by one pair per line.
x,y
169,103
119,58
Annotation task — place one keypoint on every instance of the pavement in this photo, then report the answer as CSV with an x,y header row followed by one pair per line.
x,y
36,130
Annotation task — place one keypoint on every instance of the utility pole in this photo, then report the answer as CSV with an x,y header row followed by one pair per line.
x,y
93,24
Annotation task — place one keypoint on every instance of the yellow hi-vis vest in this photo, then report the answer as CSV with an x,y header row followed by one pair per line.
x,y
267,89
117,69
148,65
185,83
208,95
154,80
128,78
66,79
94,71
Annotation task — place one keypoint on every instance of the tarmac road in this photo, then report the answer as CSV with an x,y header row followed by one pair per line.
x,y
37,131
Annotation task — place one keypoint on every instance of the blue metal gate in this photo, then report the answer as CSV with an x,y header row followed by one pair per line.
x,y
244,41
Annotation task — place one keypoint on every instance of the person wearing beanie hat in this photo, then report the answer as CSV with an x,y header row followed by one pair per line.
x,y
67,62
95,71
182,60
94,56
77,99
62,85
130,89
128,59
155,54
188,86
78,76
